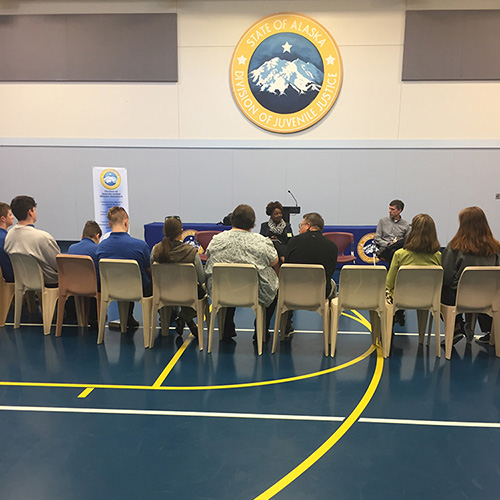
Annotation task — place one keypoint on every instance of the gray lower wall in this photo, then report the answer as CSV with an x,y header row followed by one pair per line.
x,y
202,184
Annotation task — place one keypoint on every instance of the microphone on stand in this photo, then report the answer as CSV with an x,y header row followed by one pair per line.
x,y
295,199
291,210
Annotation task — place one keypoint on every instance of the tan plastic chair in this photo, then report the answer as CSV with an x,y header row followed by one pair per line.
x,y
235,285
176,285
77,277
478,292
302,287
29,277
417,287
7,291
360,287
121,281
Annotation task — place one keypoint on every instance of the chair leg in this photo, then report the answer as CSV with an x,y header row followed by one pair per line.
x,y
422,316
60,313
123,312
437,332
18,304
260,327
211,328
147,304
153,324
277,322
49,299
449,314
334,326
200,306
375,323
326,328
5,301
387,340
495,333
102,320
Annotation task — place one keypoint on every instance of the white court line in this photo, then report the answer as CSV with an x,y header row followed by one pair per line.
x,y
257,416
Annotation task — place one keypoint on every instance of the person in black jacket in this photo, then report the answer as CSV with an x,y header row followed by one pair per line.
x,y
311,247
276,228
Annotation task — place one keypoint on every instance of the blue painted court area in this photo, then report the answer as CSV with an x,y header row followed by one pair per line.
x,y
82,421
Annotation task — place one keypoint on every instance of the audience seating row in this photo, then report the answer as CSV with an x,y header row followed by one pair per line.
x,y
302,287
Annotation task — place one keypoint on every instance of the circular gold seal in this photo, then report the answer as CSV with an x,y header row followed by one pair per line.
x,y
286,72
110,178
367,249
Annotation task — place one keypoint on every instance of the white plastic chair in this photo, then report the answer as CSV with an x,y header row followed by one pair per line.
x,y
478,292
235,285
176,284
121,281
360,287
7,291
417,287
28,276
302,286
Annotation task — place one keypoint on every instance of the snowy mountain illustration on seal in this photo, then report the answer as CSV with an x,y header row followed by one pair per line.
x,y
277,76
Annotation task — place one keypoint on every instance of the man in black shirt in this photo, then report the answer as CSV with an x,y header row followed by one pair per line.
x,y
311,247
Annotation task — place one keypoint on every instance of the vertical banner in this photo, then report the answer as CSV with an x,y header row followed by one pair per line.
x,y
110,189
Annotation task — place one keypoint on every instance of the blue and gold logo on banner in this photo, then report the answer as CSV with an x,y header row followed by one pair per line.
x,y
110,178
286,73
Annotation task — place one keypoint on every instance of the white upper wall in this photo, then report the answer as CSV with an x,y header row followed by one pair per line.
x,y
373,103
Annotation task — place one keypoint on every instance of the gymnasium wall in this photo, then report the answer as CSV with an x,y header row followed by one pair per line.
x,y
189,151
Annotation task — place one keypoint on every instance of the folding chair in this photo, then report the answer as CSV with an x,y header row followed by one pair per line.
x,y
302,286
176,285
360,287
77,277
28,276
121,281
417,287
235,285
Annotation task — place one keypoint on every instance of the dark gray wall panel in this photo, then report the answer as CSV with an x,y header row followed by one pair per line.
x,y
452,45
95,47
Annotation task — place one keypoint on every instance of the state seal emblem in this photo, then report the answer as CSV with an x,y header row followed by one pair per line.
x,y
367,250
286,73
110,178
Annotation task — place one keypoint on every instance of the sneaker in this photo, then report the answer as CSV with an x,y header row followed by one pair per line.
x,y
132,322
289,334
485,339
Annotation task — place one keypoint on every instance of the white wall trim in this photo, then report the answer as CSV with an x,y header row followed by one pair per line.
x,y
248,144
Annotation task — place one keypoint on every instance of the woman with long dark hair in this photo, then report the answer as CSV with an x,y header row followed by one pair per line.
x,y
172,249
421,248
473,245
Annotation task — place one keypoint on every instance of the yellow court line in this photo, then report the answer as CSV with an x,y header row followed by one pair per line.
x,y
334,438
86,392
196,387
361,319
168,368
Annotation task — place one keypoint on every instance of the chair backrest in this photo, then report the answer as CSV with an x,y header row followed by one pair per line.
x,y
205,237
362,287
479,289
342,240
120,280
235,285
77,275
418,287
175,283
28,274
302,286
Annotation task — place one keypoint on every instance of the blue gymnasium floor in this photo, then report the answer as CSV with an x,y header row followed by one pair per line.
x,y
158,424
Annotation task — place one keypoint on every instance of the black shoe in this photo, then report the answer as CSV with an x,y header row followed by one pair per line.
x,y
469,333
399,317
132,322
457,337
179,328
485,339
193,328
